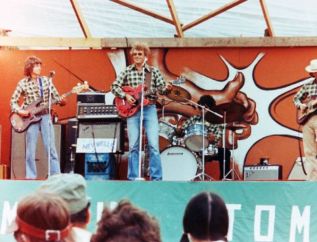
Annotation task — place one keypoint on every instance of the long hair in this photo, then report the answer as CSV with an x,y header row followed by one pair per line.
x,y
206,218
30,62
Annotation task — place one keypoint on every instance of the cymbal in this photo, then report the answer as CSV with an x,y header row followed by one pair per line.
x,y
234,113
178,94
235,126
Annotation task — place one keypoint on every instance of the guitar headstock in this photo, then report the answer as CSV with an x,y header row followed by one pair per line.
x,y
80,87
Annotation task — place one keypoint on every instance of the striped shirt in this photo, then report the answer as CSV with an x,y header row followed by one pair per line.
x,y
308,90
30,89
133,78
215,129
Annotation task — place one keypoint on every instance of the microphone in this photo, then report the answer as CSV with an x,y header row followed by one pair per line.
x,y
51,74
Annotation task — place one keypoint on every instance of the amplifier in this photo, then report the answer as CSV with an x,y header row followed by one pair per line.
x,y
91,97
96,111
268,172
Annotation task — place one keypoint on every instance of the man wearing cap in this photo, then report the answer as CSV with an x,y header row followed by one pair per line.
x,y
305,100
72,189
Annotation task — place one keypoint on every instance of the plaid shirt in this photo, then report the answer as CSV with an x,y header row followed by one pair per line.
x,y
131,77
30,90
216,129
308,90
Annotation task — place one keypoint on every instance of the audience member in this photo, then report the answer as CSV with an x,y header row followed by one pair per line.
x,y
126,223
205,219
42,217
72,188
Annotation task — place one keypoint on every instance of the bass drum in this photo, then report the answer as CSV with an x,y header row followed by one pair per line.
x,y
178,164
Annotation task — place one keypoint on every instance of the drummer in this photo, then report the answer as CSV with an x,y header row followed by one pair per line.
x,y
214,134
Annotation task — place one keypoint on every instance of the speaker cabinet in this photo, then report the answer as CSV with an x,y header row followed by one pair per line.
x,y
18,154
268,172
103,130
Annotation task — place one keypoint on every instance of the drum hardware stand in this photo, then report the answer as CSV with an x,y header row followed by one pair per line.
x,y
232,170
202,174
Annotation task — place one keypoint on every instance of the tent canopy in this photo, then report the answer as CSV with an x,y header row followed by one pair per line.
x,y
158,18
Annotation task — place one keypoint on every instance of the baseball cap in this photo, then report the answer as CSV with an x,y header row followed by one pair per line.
x,y
69,186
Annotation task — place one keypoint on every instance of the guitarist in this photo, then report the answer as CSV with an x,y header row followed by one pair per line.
x,y
32,88
305,100
132,76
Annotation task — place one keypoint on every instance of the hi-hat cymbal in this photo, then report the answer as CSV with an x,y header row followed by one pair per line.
x,y
178,94
233,112
235,126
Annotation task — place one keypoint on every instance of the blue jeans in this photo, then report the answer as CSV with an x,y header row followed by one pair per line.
x,y
46,128
151,126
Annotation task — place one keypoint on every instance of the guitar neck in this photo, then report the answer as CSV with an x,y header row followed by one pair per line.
x,y
46,105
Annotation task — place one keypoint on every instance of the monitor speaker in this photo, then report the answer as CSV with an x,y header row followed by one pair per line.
x,y
18,154
267,172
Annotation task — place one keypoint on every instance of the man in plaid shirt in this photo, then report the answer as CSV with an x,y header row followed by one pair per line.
x,y
303,100
33,87
134,75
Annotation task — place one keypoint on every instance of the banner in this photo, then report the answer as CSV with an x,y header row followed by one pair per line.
x,y
259,211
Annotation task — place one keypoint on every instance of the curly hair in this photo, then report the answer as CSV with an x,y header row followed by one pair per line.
x,y
30,62
126,223
142,47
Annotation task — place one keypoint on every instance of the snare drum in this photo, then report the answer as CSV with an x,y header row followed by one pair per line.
x,y
178,164
194,137
166,134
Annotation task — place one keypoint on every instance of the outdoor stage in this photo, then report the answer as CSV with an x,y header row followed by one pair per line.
x,y
259,210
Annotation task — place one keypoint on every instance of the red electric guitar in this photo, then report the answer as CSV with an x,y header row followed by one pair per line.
x,y
125,109
21,124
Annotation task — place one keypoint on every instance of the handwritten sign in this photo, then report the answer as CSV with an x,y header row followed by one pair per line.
x,y
97,145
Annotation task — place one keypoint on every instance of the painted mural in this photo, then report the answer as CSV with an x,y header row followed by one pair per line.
x,y
252,88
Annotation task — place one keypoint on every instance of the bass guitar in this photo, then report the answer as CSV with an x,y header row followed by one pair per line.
x,y
305,114
36,109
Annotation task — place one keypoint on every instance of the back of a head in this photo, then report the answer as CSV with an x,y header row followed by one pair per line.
x,y
126,223
39,213
72,189
206,218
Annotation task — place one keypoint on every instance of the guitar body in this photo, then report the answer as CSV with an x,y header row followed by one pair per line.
x,y
21,124
125,109
304,115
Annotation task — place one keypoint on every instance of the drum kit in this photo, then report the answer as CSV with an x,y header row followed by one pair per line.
x,y
183,152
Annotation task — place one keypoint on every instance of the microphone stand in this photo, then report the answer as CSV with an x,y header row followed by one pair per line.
x,y
49,124
140,178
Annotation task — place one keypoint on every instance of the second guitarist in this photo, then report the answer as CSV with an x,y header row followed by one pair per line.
x,y
133,76
33,87
305,101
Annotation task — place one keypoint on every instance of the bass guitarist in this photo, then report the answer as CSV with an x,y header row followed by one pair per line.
x,y
133,76
305,100
32,88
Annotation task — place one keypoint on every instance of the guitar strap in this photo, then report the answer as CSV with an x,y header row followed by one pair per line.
x,y
148,77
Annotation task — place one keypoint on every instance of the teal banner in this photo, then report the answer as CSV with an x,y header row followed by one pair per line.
x,y
259,211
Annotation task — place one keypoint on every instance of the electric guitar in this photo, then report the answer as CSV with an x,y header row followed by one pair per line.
x,y
36,109
304,115
125,109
